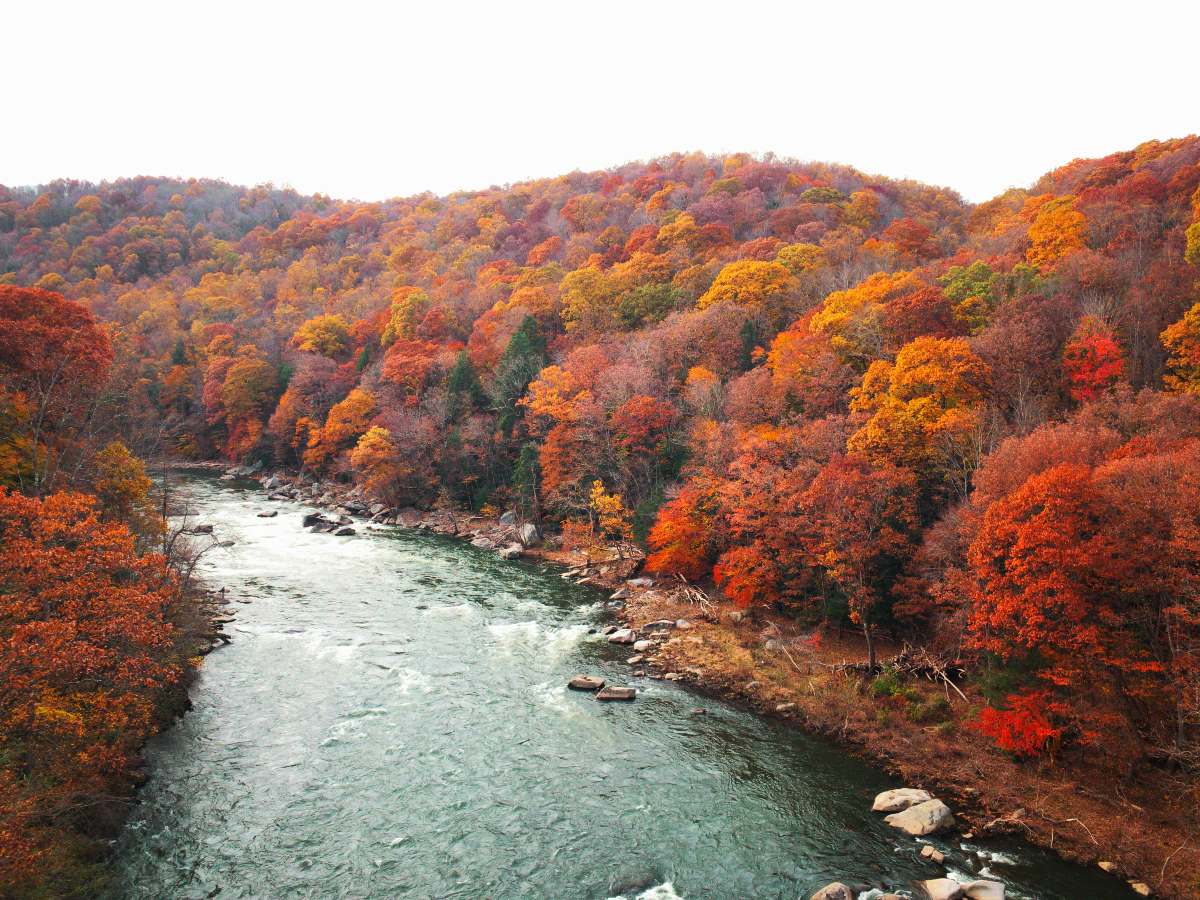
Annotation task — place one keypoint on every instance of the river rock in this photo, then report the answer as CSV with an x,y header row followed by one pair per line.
x,y
899,799
634,660
512,551
623,636
616,693
586,683
268,514
1141,888
643,646
202,529
835,891
621,594
509,518
942,889
344,531
483,544
933,854
929,817
1109,867
983,889
640,582
311,519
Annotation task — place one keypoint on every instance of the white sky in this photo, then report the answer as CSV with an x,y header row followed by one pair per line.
x,y
378,100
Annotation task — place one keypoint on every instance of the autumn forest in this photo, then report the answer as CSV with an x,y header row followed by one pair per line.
x,y
859,403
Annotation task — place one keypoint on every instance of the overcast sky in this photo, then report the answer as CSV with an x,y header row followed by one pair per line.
x,y
378,100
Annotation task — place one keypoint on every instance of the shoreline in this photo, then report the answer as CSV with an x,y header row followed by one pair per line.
x,y
743,658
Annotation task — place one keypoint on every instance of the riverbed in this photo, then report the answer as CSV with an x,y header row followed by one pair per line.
x,y
391,719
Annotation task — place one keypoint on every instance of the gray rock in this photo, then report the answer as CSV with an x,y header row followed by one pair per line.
x,y
512,551
586,683
610,629
509,518
623,636
835,891
682,624
930,817
345,531
268,514
202,529
643,646
616,693
942,889
376,508
640,582
527,534
311,519
899,799
634,660
785,707
483,544
621,594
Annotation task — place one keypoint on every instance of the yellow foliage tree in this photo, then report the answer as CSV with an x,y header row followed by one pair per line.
x,y
327,335
611,516
750,283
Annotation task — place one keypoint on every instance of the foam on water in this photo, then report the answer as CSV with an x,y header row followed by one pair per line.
x,y
664,891
552,642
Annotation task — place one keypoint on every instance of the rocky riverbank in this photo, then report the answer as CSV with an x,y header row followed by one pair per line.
x,y
916,729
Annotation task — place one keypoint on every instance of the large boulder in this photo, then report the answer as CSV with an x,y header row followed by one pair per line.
x,y
527,534
311,519
623,636
512,551
483,544
942,889
344,531
930,817
586,683
835,891
983,889
616,693
509,518
899,799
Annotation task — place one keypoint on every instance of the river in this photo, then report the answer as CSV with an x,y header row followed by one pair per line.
x,y
391,719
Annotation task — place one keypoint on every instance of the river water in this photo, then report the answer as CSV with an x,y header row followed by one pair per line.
x,y
392,720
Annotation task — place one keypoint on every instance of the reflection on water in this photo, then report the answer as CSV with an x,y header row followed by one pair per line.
x,y
392,720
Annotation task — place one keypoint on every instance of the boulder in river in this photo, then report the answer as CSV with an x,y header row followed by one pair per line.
x,y
623,636
983,889
483,544
202,529
930,817
268,514
942,889
933,854
835,891
899,799
311,519
345,531
512,551
643,646
616,693
1141,888
586,683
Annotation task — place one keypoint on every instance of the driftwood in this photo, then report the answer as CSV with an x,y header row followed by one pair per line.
x,y
916,662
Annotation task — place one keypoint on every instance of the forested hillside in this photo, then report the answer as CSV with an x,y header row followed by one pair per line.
x,y
847,397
